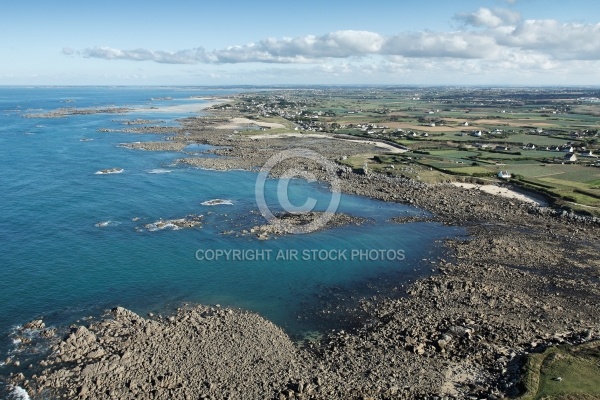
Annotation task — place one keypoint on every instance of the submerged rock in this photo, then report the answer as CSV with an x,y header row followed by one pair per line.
x,y
189,221
110,171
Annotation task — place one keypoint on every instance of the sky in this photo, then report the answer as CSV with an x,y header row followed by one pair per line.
x,y
426,42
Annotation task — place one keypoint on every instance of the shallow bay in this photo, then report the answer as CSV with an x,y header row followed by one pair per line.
x,y
74,244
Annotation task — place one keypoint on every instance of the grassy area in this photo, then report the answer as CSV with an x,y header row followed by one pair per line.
x,y
537,140
454,153
562,373
432,123
381,163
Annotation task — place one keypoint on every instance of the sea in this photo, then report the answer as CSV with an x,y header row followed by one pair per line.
x,y
75,242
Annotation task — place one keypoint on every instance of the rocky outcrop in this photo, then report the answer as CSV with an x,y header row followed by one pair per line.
x,y
201,352
189,221
156,146
302,222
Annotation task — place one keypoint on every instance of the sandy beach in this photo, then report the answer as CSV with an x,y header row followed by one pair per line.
x,y
499,191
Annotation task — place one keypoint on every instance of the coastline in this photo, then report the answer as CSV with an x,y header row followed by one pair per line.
x,y
477,316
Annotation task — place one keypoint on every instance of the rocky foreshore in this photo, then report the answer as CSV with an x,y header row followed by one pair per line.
x,y
185,356
527,277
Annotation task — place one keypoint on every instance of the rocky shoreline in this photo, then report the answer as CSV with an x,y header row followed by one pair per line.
x,y
526,277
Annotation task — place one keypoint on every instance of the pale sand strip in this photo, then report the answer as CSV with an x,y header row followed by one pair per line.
x,y
185,108
499,191
240,122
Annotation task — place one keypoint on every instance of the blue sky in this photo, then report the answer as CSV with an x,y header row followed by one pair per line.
x,y
522,42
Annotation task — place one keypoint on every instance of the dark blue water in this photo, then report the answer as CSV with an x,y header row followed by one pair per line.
x,y
55,263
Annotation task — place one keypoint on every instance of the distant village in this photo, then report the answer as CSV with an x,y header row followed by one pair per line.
x,y
296,109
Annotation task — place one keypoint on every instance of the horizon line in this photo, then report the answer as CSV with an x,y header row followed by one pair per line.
x,y
280,85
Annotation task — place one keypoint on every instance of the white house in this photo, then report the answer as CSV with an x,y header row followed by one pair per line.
x,y
504,175
588,154
571,157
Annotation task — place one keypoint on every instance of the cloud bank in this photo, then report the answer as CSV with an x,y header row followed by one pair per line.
x,y
487,38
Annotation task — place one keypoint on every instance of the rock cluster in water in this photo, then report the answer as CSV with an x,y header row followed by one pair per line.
x,y
108,171
65,112
156,146
189,221
302,222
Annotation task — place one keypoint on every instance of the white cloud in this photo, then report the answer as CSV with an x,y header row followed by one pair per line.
x,y
490,40
560,40
484,17
301,49
192,56
435,45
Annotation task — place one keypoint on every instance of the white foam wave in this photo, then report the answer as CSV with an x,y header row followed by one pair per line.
x,y
158,226
110,171
217,202
159,171
104,224
190,221
18,393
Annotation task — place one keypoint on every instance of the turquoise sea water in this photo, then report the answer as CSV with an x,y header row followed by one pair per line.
x,y
55,263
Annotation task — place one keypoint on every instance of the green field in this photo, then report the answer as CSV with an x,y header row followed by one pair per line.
x,y
537,140
518,113
562,373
